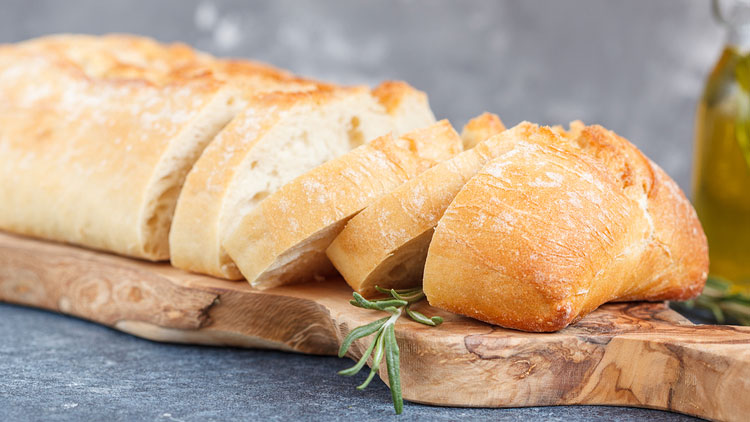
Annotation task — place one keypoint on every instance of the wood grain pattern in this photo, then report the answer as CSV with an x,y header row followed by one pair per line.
x,y
629,354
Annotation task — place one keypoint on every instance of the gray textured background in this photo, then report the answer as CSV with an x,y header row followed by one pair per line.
x,y
636,67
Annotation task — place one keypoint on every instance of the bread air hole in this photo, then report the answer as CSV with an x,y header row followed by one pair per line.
x,y
160,220
356,137
259,196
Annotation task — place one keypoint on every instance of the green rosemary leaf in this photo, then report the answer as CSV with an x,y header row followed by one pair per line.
x,y
410,290
392,303
392,310
738,310
411,297
421,318
362,302
395,294
711,305
718,283
360,332
378,305
401,291
382,290
394,370
377,356
363,360
725,306
743,301
370,376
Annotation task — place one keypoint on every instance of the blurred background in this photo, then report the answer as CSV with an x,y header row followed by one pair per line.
x,y
636,67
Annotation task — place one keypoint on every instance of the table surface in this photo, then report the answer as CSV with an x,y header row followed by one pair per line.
x,y
56,367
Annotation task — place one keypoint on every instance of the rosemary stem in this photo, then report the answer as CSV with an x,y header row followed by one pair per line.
x,y
384,345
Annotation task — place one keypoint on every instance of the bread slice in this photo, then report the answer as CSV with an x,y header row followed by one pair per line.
x,y
283,240
556,226
275,139
386,244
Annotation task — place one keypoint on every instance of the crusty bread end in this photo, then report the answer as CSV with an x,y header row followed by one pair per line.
x,y
548,231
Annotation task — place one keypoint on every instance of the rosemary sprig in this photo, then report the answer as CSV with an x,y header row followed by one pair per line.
x,y
384,343
724,305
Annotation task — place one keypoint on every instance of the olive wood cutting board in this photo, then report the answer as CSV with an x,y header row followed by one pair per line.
x,y
626,354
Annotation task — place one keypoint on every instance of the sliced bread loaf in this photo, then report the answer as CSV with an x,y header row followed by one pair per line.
x,y
284,238
386,244
275,139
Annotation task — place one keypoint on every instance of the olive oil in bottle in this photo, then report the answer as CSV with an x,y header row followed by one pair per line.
x,y
721,184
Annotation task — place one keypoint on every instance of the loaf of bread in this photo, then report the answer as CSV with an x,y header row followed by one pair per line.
x,y
530,228
558,225
276,138
98,160
98,133
386,244
284,238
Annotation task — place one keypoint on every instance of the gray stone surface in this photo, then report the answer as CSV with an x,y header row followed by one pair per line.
x,y
636,67
59,368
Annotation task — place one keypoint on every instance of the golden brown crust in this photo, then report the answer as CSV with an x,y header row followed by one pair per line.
x,y
408,105
679,242
573,132
119,56
393,93
677,249
480,128
549,231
